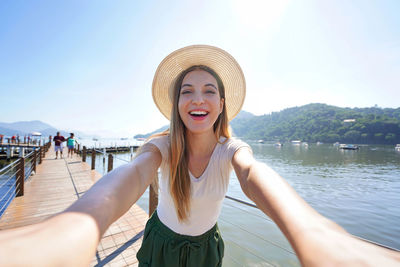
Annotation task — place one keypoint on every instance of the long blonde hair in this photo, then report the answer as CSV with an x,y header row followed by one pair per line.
x,y
178,167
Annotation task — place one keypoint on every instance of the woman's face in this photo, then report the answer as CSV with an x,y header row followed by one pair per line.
x,y
199,102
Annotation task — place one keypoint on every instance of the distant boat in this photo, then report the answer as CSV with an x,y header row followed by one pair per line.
x,y
124,138
260,141
278,144
95,139
336,144
296,142
348,147
397,148
319,143
305,144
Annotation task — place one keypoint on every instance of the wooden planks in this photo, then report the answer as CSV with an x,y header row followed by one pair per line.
x,y
55,186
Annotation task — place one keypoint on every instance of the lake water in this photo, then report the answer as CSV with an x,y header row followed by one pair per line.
x,y
360,190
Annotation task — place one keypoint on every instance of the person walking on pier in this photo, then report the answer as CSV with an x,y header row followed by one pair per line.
x,y
199,89
71,144
58,144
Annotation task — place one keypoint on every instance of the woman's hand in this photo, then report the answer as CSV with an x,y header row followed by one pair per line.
x,y
316,240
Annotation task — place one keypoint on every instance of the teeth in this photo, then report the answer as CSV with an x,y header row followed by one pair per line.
x,y
198,113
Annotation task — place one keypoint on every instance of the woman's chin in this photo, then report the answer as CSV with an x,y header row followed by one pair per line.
x,y
199,129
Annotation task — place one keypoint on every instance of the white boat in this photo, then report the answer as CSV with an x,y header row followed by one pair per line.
x,y
296,142
260,141
278,144
36,134
397,147
348,147
336,144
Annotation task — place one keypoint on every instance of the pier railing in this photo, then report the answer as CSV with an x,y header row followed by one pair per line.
x,y
14,175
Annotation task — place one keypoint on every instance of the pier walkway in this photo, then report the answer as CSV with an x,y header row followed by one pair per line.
x,y
56,185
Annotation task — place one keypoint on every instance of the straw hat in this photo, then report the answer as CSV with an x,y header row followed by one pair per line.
x,y
219,60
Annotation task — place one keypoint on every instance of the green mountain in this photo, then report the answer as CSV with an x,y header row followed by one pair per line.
x,y
324,123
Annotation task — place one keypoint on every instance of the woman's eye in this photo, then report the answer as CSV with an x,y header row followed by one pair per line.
x,y
210,92
185,92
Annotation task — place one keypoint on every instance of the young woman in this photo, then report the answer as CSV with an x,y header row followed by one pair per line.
x,y
199,88
71,144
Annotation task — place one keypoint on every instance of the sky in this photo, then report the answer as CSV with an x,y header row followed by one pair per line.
x,y
88,65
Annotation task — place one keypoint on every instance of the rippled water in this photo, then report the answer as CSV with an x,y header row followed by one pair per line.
x,y
360,190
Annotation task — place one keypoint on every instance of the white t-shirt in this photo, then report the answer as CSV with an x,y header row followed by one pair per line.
x,y
207,191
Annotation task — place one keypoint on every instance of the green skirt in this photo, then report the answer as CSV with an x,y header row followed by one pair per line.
x,y
163,247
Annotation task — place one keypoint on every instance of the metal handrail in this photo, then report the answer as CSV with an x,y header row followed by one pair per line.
x,y
12,176
29,172
30,153
11,169
11,187
369,241
6,203
9,165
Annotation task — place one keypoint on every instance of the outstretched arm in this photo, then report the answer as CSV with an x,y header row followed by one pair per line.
x,y
316,240
71,237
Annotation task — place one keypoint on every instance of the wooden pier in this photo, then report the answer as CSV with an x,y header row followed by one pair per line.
x,y
56,185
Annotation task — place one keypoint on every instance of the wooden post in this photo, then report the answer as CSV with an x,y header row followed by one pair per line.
x,y
40,155
131,148
110,162
34,160
8,152
19,189
93,158
21,152
84,154
43,151
79,149
153,198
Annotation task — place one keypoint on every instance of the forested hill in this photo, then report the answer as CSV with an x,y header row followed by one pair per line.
x,y
324,123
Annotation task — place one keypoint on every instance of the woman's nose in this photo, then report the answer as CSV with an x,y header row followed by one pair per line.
x,y
198,98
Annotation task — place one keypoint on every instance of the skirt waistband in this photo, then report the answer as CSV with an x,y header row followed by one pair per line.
x,y
170,234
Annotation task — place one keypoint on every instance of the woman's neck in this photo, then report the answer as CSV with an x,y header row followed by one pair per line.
x,y
200,144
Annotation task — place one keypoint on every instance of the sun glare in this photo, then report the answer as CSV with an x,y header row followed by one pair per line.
x,y
259,14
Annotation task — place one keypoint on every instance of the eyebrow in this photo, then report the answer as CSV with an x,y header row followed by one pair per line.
x,y
208,84
212,85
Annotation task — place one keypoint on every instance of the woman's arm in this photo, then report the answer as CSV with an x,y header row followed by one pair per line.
x,y
317,240
71,237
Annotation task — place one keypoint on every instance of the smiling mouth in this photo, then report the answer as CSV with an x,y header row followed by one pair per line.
x,y
198,114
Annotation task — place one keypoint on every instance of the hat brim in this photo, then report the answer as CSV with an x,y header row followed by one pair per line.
x,y
219,60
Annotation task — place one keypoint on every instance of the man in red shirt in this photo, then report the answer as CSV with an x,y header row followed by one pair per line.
x,y
58,144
